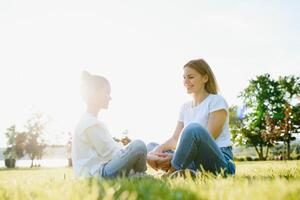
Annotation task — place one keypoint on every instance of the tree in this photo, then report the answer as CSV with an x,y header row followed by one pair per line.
x,y
16,143
235,123
124,139
262,97
290,86
270,117
296,116
35,144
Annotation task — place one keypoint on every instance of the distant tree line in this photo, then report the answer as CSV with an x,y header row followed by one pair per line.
x,y
30,141
268,116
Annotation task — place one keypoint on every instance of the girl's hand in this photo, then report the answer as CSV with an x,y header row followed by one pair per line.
x,y
164,162
152,160
162,155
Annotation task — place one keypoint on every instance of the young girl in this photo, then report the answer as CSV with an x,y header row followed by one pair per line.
x,y
202,136
94,152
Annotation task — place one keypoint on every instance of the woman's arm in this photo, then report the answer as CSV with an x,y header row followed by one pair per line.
x,y
216,121
171,142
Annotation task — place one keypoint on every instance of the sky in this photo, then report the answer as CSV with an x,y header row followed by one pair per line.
x,y
141,47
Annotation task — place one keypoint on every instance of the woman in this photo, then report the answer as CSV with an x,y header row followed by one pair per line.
x,y
94,152
201,139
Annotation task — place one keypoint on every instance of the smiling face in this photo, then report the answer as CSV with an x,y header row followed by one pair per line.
x,y
193,81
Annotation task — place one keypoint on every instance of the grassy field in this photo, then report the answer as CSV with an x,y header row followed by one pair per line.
x,y
254,180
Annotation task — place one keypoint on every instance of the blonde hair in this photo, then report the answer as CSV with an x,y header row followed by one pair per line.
x,y
203,68
91,84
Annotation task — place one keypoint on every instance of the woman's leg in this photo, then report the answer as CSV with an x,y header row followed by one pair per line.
x,y
132,157
227,152
197,145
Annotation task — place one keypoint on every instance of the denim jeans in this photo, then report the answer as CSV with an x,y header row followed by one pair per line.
x,y
197,150
132,157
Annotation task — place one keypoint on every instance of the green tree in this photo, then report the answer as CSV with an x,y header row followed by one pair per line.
x,y
262,97
15,144
296,116
35,144
235,124
270,117
290,86
16,141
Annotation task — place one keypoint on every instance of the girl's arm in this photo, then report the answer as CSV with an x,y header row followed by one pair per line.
x,y
216,121
171,142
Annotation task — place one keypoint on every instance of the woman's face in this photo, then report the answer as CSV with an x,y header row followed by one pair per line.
x,y
193,81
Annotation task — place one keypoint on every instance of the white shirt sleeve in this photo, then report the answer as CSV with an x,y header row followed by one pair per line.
x,y
101,141
218,103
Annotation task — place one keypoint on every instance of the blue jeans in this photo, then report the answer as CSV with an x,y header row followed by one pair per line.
x,y
133,156
197,150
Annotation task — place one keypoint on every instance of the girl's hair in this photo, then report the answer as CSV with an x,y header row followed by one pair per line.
x,y
203,68
91,84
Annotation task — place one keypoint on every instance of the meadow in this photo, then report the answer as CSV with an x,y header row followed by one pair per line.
x,y
253,180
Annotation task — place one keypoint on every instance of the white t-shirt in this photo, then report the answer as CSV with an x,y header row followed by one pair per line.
x,y
92,146
200,113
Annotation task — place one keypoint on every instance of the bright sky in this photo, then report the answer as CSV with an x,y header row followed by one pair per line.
x,y
140,46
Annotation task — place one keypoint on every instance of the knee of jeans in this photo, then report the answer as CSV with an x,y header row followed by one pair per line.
x,y
139,145
194,129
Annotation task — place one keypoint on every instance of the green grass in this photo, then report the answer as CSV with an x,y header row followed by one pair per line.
x,y
254,180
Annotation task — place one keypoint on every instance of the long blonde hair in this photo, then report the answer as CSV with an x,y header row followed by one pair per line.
x,y
203,68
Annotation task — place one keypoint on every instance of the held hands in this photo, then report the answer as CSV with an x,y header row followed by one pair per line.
x,y
164,162
152,160
159,160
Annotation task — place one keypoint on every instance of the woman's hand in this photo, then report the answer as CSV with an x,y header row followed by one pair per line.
x,y
159,160
155,156
152,160
164,162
